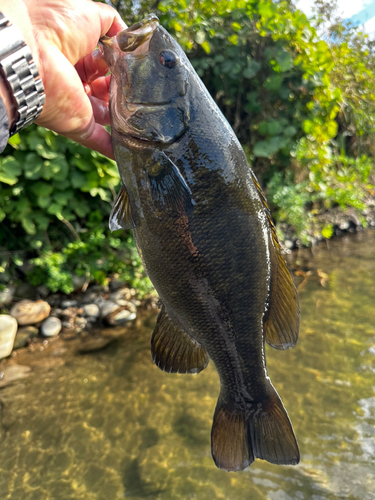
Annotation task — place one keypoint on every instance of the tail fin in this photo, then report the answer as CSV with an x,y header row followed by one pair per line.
x,y
262,431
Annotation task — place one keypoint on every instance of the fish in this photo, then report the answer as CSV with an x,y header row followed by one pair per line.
x,y
206,238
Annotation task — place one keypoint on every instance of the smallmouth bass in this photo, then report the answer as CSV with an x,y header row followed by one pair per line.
x,y
206,238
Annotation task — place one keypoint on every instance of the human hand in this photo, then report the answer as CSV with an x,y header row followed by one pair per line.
x,y
62,36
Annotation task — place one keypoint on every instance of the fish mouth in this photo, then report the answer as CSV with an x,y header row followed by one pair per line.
x,y
134,37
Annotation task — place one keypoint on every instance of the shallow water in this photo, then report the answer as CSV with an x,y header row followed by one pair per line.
x,y
110,425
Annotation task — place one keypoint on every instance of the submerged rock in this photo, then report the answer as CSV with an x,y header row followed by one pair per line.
x,y
8,330
28,312
95,344
12,373
23,336
51,327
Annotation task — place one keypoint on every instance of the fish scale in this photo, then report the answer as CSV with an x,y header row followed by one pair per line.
x,y
207,240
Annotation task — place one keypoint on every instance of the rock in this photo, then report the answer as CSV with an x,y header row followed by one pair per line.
x,y
43,291
121,317
128,305
8,330
91,310
78,282
107,307
24,334
68,303
122,294
289,244
95,344
25,291
344,226
89,297
11,373
50,327
6,295
28,312
115,284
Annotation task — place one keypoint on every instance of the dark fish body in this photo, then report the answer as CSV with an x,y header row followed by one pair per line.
x,y
204,233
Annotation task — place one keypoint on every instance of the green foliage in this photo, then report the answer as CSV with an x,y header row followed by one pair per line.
x,y
284,91
55,199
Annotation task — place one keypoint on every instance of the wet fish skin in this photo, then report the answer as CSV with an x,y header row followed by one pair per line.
x,y
204,233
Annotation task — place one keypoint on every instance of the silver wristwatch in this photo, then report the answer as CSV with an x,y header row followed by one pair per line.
x,y
21,73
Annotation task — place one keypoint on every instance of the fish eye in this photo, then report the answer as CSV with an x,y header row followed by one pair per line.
x,y
168,58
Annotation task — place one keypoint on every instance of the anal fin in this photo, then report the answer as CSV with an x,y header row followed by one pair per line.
x,y
173,350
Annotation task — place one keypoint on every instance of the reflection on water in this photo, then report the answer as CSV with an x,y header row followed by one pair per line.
x,y
110,425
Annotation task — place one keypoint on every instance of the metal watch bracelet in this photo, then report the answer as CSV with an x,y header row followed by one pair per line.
x,y
21,73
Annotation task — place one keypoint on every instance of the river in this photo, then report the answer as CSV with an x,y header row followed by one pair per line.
x,y
110,425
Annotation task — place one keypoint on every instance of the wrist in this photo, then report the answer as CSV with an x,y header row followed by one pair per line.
x,y
9,101
22,88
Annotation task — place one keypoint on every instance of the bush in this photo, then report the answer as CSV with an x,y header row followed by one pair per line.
x,y
55,199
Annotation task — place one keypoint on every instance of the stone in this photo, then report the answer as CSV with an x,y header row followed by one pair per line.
x,y
50,327
8,330
43,291
122,294
95,344
121,317
24,334
6,295
25,291
68,303
115,284
107,307
127,305
12,373
91,310
78,282
28,312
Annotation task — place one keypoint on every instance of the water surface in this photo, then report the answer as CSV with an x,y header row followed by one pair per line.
x,y
110,425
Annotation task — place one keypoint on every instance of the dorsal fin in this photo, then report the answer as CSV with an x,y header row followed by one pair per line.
x,y
173,350
120,217
281,321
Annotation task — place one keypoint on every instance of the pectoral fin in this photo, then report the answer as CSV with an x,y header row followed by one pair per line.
x,y
120,217
281,321
173,350
167,185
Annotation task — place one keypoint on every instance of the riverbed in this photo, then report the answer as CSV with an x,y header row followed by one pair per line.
x,y
108,425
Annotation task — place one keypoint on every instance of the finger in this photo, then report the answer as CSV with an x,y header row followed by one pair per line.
x,y
91,67
96,138
99,88
111,22
100,110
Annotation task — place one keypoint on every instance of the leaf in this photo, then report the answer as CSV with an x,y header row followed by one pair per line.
x,y
206,47
43,202
33,166
200,37
327,231
55,209
285,60
10,168
14,141
274,82
28,225
252,69
41,189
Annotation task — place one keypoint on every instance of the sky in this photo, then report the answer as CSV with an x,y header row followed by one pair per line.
x,y
361,12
